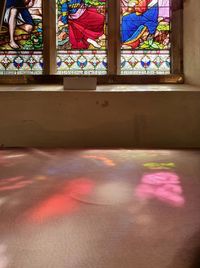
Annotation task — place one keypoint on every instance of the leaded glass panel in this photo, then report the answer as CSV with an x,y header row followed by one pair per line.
x,y
21,37
81,37
145,37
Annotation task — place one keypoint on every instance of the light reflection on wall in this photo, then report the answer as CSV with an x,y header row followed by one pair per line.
x,y
163,186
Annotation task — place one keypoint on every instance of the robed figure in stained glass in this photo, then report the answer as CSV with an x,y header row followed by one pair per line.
x,y
85,23
21,37
22,25
17,13
138,17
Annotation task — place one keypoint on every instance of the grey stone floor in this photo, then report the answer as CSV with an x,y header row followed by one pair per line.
x,y
99,208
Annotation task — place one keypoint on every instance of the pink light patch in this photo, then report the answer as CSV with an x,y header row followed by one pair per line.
x,y
160,178
164,186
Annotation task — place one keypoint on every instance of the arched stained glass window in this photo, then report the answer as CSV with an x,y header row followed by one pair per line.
x,y
21,38
81,37
145,37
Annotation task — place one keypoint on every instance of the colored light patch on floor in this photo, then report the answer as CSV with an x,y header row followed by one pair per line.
x,y
83,212
105,160
61,202
163,186
157,165
13,183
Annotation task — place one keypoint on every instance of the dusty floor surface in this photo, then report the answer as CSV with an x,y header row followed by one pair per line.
x,y
99,209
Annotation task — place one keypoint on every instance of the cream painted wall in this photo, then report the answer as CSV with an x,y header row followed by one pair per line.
x,y
167,119
192,41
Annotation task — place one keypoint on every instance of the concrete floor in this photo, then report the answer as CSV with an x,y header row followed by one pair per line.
x,y
99,209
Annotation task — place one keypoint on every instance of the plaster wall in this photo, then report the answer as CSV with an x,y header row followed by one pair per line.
x,y
167,119
192,41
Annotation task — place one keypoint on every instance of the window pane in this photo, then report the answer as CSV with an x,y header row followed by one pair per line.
x,y
21,37
145,37
81,37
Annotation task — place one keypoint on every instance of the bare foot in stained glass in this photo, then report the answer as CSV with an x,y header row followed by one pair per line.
x,y
13,45
94,43
102,37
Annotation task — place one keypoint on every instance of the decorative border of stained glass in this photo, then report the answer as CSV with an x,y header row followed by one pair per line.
x,y
145,62
22,62
84,63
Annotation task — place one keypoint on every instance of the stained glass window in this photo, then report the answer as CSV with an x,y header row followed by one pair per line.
x,y
21,37
81,37
145,37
